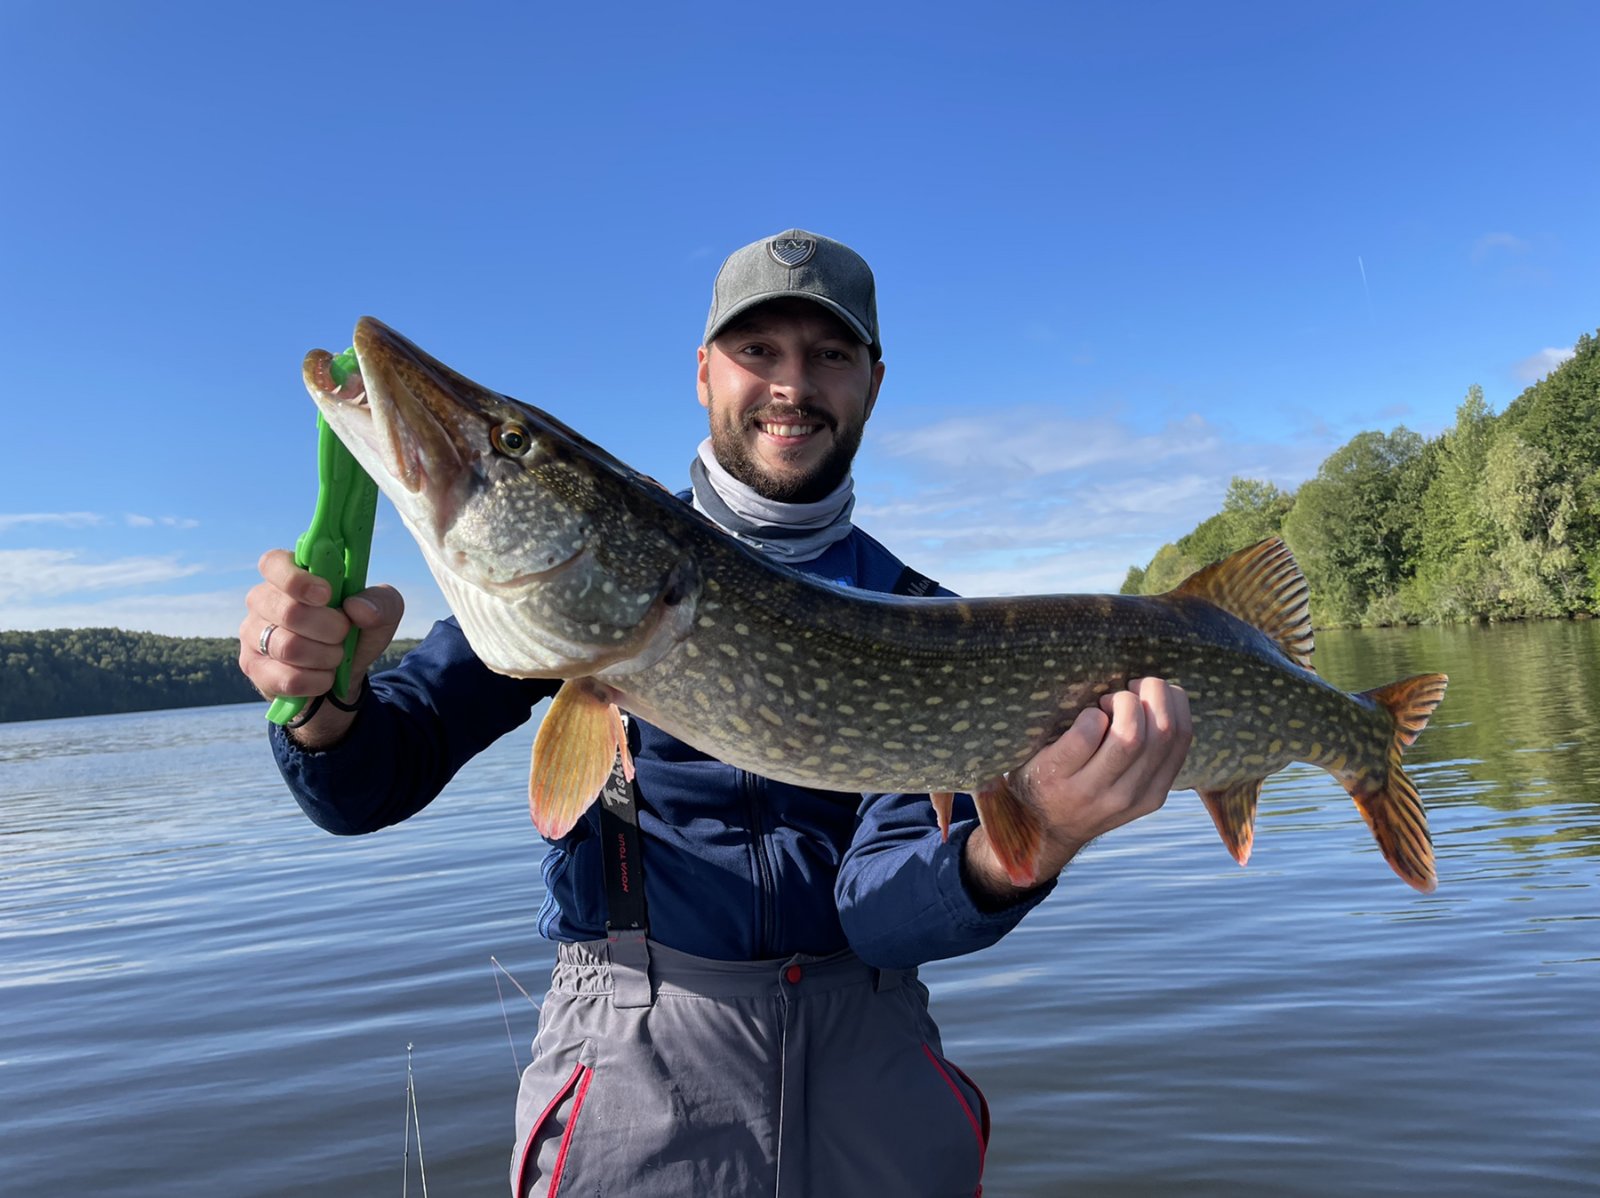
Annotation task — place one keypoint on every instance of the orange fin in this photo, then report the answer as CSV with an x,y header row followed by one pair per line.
x,y
1394,810
1013,831
1264,587
1233,810
943,805
622,746
572,756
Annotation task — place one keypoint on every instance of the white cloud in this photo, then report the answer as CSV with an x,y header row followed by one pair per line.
x,y
1089,569
135,520
1491,244
1024,502
214,613
1028,442
53,519
40,573
210,613
1535,366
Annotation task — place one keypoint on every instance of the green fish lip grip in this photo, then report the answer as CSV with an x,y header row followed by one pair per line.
x,y
337,545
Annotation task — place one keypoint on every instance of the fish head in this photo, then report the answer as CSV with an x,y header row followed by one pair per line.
x,y
540,540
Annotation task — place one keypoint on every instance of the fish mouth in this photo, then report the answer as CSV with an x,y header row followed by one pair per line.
x,y
422,431
426,435
406,410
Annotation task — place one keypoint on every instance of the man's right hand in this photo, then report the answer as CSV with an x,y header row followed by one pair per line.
x,y
307,641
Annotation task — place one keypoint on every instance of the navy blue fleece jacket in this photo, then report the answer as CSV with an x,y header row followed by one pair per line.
x,y
737,867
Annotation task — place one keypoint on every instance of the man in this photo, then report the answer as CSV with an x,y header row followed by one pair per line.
x,y
755,1024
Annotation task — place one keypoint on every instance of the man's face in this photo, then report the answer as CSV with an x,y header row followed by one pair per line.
x,y
789,389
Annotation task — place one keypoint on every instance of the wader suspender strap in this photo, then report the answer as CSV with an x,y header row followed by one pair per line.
x,y
913,584
627,921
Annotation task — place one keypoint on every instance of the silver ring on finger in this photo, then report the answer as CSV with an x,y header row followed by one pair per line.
x,y
265,640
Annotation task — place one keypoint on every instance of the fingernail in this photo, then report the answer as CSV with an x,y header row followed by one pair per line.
x,y
366,606
319,592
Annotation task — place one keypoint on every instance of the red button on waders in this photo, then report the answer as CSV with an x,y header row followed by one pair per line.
x,y
793,974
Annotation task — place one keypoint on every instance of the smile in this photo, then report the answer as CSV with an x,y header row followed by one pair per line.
x,y
788,430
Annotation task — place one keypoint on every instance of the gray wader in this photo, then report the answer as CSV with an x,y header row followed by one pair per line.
x,y
657,1073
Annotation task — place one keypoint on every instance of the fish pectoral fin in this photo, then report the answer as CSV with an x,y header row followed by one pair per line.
x,y
1013,829
573,753
1391,806
1262,586
622,744
943,805
1233,810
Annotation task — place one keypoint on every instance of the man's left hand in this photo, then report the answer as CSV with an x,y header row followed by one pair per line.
x,y
1116,763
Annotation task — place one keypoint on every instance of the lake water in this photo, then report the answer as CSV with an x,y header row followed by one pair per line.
x,y
202,994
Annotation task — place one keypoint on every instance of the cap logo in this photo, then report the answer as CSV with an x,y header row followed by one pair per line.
x,y
791,251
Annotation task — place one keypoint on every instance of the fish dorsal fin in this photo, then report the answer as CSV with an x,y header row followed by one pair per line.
x,y
1264,587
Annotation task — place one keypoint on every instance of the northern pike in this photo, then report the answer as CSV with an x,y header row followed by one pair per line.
x,y
562,562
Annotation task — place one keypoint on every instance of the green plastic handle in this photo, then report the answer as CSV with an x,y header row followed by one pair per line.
x,y
338,544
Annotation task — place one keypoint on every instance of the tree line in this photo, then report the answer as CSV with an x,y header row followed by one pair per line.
x,y
99,671
1497,518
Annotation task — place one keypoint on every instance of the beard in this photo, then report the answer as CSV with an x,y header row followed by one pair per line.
x,y
732,451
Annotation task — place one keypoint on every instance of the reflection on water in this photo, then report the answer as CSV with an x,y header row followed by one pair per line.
x,y
225,994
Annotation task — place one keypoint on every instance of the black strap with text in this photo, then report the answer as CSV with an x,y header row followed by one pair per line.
x,y
624,864
619,816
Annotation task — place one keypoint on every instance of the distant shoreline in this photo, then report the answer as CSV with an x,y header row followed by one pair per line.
x,y
60,673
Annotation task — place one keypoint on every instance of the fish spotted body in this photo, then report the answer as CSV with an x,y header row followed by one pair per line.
x,y
561,562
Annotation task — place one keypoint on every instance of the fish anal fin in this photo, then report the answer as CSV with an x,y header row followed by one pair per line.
x,y
1233,810
943,804
1262,586
572,756
1391,806
1013,829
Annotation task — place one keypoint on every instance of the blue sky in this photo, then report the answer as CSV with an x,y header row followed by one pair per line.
x,y
1124,252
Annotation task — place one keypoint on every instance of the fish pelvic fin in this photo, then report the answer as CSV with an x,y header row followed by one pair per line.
x,y
573,753
1013,829
1263,586
1233,810
943,805
1394,810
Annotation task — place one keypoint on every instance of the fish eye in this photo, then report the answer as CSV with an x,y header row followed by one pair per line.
x,y
512,439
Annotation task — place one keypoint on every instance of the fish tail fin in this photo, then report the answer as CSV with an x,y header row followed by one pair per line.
x,y
1233,810
1013,829
576,746
1393,810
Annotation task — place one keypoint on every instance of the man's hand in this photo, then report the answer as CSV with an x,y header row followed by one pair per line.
x,y
1116,763
307,640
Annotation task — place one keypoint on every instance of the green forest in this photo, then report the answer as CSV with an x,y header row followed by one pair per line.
x,y
98,671
1497,518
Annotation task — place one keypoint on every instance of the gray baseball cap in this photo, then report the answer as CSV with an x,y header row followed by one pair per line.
x,y
799,265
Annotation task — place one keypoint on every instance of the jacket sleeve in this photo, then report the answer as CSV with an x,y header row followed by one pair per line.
x,y
418,724
900,893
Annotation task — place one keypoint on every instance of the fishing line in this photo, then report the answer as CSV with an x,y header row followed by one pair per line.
x,y
514,982
506,1019
413,1119
405,1156
516,1063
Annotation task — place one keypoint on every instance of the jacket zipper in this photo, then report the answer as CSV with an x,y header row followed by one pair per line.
x,y
764,885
